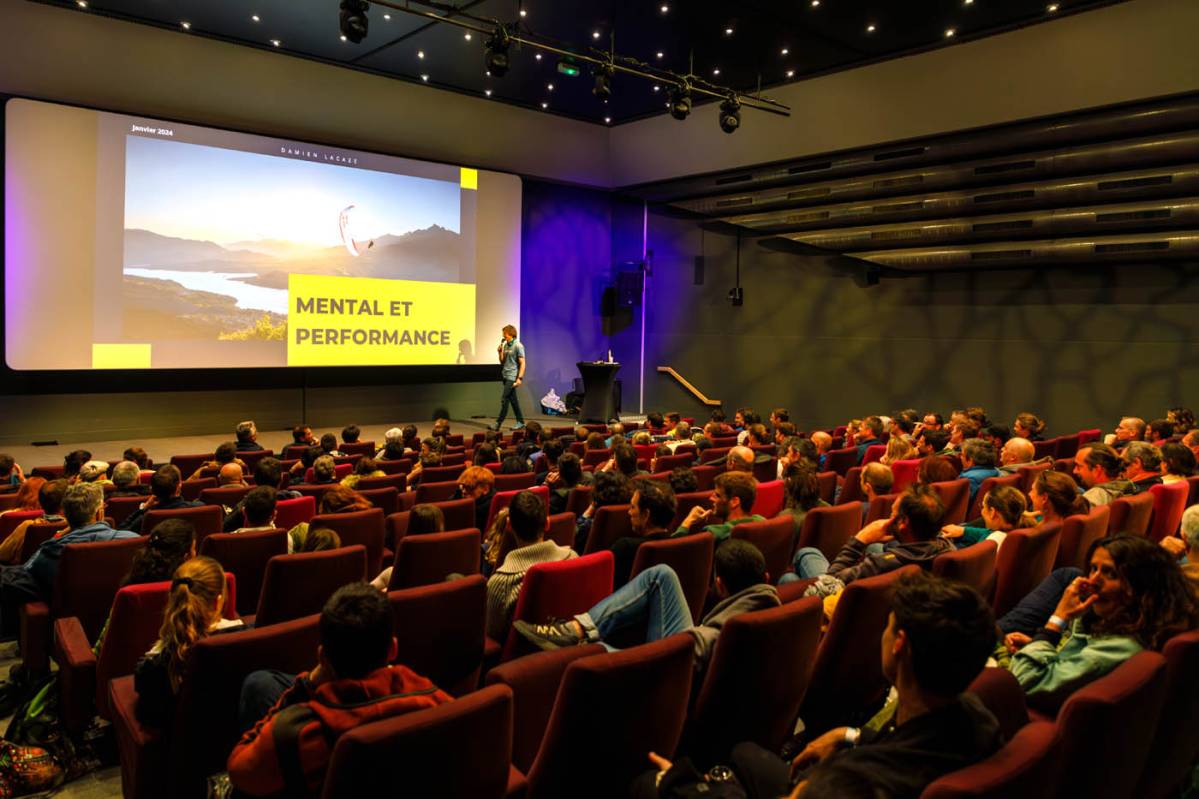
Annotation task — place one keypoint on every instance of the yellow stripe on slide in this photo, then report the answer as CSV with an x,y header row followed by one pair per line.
x,y
120,356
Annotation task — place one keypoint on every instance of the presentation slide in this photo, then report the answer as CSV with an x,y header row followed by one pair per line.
x,y
133,243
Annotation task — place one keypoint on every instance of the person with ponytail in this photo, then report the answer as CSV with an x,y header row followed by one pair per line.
x,y
1055,496
1004,509
193,612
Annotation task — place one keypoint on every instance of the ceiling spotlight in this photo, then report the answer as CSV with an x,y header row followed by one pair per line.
x,y
81,3
354,22
523,13
537,56
728,31
343,37
730,115
595,34
716,71
495,57
549,87
870,28
815,3
608,120
425,78
256,18
603,81
1052,8
665,8
785,51
185,25
657,88
545,105
420,54
487,92
949,33
680,101
967,2
790,73
466,36
276,42
387,17
660,54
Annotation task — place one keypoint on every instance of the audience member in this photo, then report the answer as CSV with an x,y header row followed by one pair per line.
x,y
366,466
350,434
49,499
329,446
935,469
1159,431
1185,546
302,434
802,494
127,481
1055,496
683,480
1015,453
823,443
478,484
1129,429
1099,468
740,459
869,434
1142,465
94,472
319,539
1028,426
324,470
27,496
1003,509
258,509
336,499
526,523
165,487
1178,462
393,445
247,437
564,479
230,476
732,504
72,462
978,463
651,510
898,449
933,442
138,456
11,475
611,488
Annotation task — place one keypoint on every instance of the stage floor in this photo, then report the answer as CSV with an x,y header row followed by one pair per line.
x,y
160,450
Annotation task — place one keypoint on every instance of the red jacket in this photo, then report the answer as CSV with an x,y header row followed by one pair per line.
x,y
289,750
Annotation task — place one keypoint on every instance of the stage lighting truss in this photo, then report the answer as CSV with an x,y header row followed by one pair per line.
x,y
500,37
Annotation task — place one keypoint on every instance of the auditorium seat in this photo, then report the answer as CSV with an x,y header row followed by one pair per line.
x,y
436,492
609,524
560,528
851,487
290,512
514,482
1067,446
677,460
190,489
847,683
1176,739
294,451
973,565
402,466
1131,514
1087,436
829,528
246,555
340,472
768,501
177,762
1045,449
1078,533
874,453
207,519
1029,475
120,508
457,749
976,505
691,558
48,472
1025,559
841,460
358,448
441,474
589,724
557,590
386,499
705,476
439,631
766,470
459,514
773,538
37,534
14,518
430,558
755,682
88,578
1169,501
187,464
1001,693
1023,768
715,453
363,527
955,496
298,585
904,474
227,496
397,481
826,486
880,508
503,499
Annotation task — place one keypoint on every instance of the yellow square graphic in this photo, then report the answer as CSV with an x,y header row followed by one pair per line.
x,y
120,356
469,178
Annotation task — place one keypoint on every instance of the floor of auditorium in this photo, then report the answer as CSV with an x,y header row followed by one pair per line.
x,y
161,449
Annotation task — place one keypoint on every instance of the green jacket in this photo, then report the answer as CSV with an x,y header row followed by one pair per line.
x,y
722,531
1049,674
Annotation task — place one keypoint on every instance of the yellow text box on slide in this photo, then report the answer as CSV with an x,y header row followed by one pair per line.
x,y
363,321
120,356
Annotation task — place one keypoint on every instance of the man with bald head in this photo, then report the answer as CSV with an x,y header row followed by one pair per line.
x,y
230,475
739,459
1016,452
1130,429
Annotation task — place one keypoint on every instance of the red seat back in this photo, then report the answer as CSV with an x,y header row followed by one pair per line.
x,y
459,514
290,512
11,520
756,681
1045,449
560,528
668,462
1025,559
441,474
610,523
207,519
1112,722
1001,693
595,457
224,495
685,502
976,506
558,590
503,499
840,460
829,528
386,499
774,539
955,496
37,534
1169,501
429,559
187,464
874,452
119,508
439,631
973,565
363,527
1131,514
340,471
1087,436
851,487
847,678
1078,533
428,491
358,448
590,720
1028,475
691,558
1067,446
705,476
1176,741
1193,495
246,555
190,489
768,501
402,466
397,481
826,483
89,576
299,585
880,508
1024,767
514,482
904,474
579,499
424,753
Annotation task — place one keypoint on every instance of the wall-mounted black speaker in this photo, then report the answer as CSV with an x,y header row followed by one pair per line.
x,y
628,289
698,278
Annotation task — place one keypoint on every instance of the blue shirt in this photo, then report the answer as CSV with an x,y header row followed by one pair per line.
x,y
976,475
510,367
43,566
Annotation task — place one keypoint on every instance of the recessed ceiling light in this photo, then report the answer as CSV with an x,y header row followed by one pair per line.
x,y
545,105
870,29
81,3
387,17
425,78
523,13
595,34
487,92
466,36
537,56
1052,9
785,51
728,31
608,120
790,73
276,42
343,38
665,8
489,73
420,53
815,3
967,2
256,18
549,86
185,25
660,54
716,71
657,88
949,32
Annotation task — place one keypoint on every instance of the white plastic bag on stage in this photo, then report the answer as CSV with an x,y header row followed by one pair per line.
x,y
552,404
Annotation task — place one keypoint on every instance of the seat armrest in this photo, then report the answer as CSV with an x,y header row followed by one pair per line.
x,y
76,674
35,637
143,750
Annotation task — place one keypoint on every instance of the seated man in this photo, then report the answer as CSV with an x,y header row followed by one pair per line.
x,y
393,445
1130,429
267,472
126,481
876,480
740,459
329,446
1185,546
1142,465
1016,452
72,462
11,475
94,472
301,435
1190,440
288,750
526,523
978,463
960,432
933,442
49,496
915,520
83,507
732,501
651,511
258,510
745,419
683,480
932,728
654,601
225,453
165,488
869,434
247,437
350,434
1099,468
231,476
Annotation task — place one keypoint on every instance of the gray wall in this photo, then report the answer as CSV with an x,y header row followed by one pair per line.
x,y
1079,346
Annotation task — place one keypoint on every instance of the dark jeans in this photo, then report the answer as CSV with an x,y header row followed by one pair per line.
x,y
259,693
1032,612
17,587
506,399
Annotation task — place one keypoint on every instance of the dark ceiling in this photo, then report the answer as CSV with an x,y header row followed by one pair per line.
x,y
748,41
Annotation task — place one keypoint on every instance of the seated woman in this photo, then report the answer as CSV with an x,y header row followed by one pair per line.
x,y
1004,509
1134,597
27,496
337,499
1028,426
1178,462
898,449
563,480
611,488
365,467
423,518
803,494
320,539
193,613
430,455
935,469
1055,496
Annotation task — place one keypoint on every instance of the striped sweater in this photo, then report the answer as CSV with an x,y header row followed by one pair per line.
x,y
503,587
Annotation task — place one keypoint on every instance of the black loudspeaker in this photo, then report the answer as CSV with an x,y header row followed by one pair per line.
x,y
698,277
628,289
